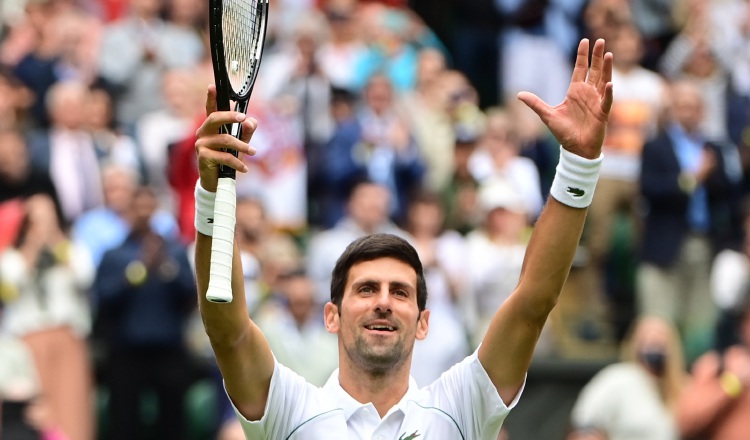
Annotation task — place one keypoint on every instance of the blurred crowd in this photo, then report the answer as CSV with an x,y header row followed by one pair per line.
x,y
374,116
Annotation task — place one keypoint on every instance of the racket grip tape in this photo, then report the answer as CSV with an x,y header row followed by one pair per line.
x,y
222,245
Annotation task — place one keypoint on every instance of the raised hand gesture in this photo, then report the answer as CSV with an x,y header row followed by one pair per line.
x,y
579,123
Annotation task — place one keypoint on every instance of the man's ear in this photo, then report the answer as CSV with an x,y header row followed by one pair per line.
x,y
331,317
423,324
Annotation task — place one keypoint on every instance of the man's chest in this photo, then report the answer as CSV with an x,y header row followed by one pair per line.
x,y
419,424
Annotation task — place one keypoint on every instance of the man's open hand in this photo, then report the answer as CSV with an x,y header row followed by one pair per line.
x,y
579,123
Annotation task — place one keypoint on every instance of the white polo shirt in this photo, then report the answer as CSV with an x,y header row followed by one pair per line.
x,y
462,404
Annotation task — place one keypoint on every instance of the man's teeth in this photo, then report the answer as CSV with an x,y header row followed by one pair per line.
x,y
381,327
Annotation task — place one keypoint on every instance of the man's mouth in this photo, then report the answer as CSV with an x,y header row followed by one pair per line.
x,y
381,327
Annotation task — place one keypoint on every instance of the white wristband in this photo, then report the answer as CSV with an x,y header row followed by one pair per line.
x,y
575,179
204,210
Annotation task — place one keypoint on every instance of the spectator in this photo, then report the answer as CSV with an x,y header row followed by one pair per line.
x,y
698,53
15,100
144,291
295,331
266,254
338,56
495,253
639,100
106,227
136,50
687,194
45,279
545,28
716,402
636,397
367,213
442,254
389,50
427,110
18,177
498,156
159,130
112,146
377,146
66,151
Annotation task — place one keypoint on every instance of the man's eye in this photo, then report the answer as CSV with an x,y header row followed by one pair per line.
x,y
401,293
365,289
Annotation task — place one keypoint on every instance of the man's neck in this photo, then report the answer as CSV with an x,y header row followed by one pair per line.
x,y
383,390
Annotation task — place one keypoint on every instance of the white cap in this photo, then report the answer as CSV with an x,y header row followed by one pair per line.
x,y
497,193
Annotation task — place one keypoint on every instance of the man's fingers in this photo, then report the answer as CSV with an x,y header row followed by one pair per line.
x,y
582,62
221,158
606,73
210,99
608,98
597,63
248,129
535,103
220,142
214,121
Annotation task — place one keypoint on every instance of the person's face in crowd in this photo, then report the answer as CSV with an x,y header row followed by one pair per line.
x,y
368,206
143,207
652,340
499,139
251,223
702,62
145,9
506,223
14,157
119,187
342,25
67,105
627,46
99,110
431,64
425,218
379,94
379,320
300,296
181,93
43,220
687,106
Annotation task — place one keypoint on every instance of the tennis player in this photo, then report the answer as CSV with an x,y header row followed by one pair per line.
x,y
378,299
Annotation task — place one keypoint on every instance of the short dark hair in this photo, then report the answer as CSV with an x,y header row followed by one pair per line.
x,y
372,247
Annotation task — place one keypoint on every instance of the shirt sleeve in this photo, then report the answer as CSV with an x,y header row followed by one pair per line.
x,y
288,399
469,396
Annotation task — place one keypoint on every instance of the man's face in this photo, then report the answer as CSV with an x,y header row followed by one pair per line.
x,y
379,319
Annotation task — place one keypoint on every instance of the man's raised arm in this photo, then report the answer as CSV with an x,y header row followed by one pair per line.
x,y
578,124
241,350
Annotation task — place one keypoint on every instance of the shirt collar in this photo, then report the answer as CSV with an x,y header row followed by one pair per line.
x,y
343,400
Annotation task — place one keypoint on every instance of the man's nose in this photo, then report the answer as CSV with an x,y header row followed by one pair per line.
x,y
383,300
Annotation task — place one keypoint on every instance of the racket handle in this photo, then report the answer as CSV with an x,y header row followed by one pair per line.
x,y
222,245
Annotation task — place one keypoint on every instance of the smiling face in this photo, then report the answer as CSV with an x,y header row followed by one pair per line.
x,y
378,319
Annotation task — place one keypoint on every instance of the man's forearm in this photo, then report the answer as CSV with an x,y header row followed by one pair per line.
x,y
225,323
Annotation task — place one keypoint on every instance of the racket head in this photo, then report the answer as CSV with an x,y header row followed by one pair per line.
x,y
237,36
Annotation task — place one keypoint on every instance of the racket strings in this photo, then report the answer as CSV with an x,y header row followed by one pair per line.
x,y
241,27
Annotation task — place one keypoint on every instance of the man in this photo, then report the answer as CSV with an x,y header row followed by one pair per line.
x,y
378,297
688,199
144,295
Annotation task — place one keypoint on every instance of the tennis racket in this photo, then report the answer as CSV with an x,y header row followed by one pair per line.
x,y
237,34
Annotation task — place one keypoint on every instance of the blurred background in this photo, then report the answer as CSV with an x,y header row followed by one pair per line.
x,y
374,116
